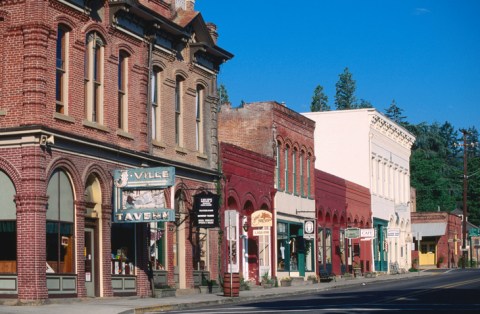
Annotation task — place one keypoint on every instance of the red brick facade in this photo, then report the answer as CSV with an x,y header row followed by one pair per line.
x,y
84,148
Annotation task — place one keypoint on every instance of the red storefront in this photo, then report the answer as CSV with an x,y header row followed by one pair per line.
x,y
341,204
249,190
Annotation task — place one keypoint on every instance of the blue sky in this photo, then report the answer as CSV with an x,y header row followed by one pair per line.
x,y
424,54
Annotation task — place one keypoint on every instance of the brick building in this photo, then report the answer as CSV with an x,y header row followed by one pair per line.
x,y
249,194
438,239
341,204
273,130
88,88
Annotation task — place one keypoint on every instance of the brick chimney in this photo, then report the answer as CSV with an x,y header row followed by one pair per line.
x,y
212,29
190,5
187,5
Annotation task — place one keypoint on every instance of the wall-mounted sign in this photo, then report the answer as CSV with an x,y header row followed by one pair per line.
x,y
205,208
261,232
352,233
139,194
367,233
393,233
262,218
309,229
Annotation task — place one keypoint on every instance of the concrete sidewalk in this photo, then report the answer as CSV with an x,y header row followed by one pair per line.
x,y
136,305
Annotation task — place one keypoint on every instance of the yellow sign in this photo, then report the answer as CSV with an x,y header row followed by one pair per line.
x,y
262,218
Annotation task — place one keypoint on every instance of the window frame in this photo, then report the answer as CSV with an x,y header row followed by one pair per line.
x,y
123,76
94,77
61,66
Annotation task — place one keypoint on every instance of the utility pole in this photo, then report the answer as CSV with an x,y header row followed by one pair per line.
x,y
465,187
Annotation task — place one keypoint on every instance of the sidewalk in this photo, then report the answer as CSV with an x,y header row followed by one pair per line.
x,y
126,305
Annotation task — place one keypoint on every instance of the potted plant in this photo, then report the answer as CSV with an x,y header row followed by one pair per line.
x,y
267,282
440,261
286,281
312,279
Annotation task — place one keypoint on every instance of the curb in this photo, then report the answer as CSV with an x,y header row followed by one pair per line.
x,y
271,295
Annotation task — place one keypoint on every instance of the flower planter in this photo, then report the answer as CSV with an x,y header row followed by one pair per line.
x,y
165,292
285,283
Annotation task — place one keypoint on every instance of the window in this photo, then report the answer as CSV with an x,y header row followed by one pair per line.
x,y
94,78
123,91
302,178
155,100
286,169
309,180
60,240
200,256
277,167
123,248
283,250
320,249
178,111
294,171
8,226
328,249
199,119
61,84
157,245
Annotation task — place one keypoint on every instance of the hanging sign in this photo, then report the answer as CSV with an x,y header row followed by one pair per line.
x,y
261,232
393,233
367,233
352,233
262,218
205,208
139,194
309,229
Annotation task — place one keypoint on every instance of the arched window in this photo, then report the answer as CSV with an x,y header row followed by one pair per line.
x,y
155,99
61,84
178,111
94,58
8,226
60,224
199,118
123,59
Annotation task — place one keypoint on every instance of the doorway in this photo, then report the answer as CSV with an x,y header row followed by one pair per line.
x,y
90,270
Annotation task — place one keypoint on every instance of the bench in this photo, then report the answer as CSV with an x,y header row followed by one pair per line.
x,y
326,276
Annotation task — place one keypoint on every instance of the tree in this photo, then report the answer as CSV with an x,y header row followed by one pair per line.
x,y
223,94
345,95
365,104
319,100
395,113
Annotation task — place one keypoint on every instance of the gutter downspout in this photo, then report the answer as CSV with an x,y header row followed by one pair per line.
x,y
151,40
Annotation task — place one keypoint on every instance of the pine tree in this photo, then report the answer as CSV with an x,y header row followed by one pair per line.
x,y
365,104
345,95
319,100
223,94
395,113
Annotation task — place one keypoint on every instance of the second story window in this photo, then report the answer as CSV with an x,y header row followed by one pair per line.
x,y
302,178
277,167
61,84
94,53
294,170
123,91
286,168
155,100
199,119
178,111
309,181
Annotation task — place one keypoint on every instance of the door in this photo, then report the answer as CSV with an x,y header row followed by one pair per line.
x,y
89,253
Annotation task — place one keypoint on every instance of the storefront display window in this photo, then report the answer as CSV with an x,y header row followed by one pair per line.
x,y
60,225
199,237
328,249
123,249
8,226
309,255
320,247
157,245
282,247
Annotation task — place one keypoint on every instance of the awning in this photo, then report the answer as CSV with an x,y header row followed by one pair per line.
x,y
432,229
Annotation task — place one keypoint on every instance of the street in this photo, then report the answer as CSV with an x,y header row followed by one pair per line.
x,y
453,291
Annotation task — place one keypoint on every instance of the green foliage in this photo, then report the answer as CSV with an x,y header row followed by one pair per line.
x,y
345,91
319,100
223,94
395,113
365,104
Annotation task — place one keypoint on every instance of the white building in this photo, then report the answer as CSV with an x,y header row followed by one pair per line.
x,y
365,147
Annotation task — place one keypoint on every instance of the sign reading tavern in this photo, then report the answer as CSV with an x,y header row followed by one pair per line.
x,y
139,194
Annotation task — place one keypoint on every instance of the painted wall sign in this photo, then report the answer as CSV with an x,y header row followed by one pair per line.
x,y
262,218
139,194
261,232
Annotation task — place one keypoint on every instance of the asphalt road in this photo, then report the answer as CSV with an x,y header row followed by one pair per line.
x,y
454,291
